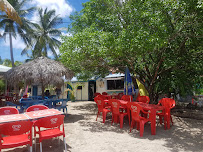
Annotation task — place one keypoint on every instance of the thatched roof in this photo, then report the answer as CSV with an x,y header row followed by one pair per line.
x,y
39,70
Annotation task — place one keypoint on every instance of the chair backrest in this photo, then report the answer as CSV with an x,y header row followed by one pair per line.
x,y
115,106
127,98
96,94
168,103
8,111
104,97
16,128
25,99
64,103
50,122
144,99
135,110
100,103
8,98
119,96
36,108
104,93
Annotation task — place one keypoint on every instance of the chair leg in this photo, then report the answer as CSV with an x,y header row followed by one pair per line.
x,y
65,144
40,146
35,143
97,115
131,126
30,148
160,119
121,121
171,120
141,128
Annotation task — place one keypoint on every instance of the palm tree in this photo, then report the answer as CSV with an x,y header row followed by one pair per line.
x,y
5,6
11,27
44,34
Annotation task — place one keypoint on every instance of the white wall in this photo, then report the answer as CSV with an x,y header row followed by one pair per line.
x,y
81,94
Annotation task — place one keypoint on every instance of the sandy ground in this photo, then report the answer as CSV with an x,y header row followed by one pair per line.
x,y
85,134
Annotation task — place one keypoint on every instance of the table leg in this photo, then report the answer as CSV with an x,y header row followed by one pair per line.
x,y
152,117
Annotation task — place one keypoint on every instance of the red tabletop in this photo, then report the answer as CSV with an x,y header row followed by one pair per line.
x,y
13,117
43,113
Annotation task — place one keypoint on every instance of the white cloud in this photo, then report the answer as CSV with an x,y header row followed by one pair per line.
x,y
17,43
61,6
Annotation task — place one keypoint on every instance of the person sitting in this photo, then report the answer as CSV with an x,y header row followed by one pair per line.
x,y
47,93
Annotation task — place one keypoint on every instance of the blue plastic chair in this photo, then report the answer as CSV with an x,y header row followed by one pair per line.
x,y
62,106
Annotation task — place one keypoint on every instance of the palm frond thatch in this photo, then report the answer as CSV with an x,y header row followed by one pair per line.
x,y
39,71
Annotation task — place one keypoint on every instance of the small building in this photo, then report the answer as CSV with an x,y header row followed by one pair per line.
x,y
84,90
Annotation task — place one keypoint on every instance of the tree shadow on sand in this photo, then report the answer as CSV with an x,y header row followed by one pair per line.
x,y
185,134
49,145
71,118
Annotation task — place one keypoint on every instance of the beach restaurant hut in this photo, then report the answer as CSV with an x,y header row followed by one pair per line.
x,y
112,83
40,71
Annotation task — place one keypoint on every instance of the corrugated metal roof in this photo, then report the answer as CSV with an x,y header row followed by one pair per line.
x,y
116,75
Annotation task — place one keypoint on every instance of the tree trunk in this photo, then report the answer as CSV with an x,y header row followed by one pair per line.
x,y
42,91
11,50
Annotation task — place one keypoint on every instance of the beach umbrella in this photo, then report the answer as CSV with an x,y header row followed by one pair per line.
x,y
41,71
129,88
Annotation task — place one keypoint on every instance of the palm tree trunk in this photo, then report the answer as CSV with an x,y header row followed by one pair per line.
x,y
11,50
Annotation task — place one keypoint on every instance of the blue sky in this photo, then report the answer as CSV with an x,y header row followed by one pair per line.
x,y
62,7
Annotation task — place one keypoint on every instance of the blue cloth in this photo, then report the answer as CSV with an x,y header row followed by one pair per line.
x,y
129,88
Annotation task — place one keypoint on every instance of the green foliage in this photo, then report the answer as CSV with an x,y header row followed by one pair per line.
x,y
44,35
73,90
2,86
7,62
161,41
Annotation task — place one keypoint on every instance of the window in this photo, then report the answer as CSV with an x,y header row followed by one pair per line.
x,y
115,84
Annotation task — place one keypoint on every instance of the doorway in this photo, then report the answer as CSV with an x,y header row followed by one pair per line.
x,y
91,90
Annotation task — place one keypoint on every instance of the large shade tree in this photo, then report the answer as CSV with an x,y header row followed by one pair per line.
x,y
160,41
45,34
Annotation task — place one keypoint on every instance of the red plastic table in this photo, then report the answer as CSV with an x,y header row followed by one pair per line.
x,y
43,113
13,117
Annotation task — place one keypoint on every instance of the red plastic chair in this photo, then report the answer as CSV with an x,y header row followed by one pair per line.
x,y
119,96
96,94
144,99
102,108
104,93
117,111
36,108
8,111
168,103
51,128
136,110
16,134
128,98
8,98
